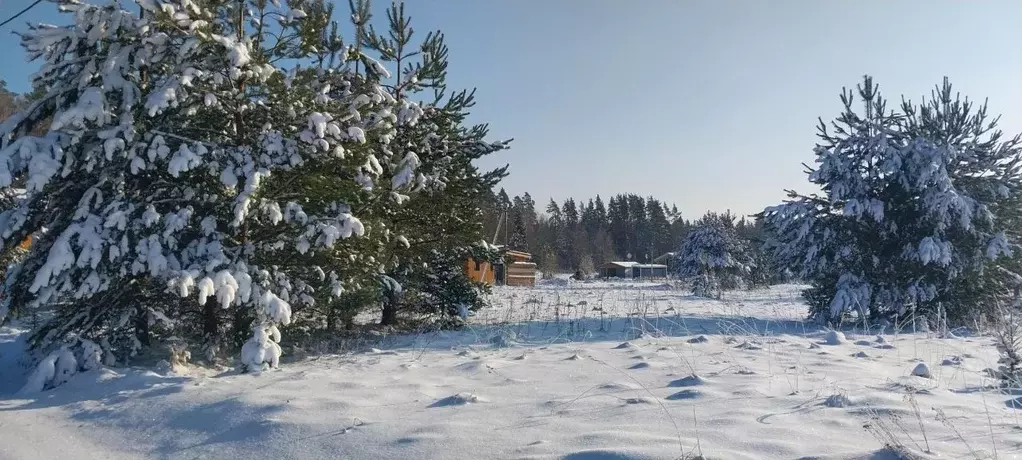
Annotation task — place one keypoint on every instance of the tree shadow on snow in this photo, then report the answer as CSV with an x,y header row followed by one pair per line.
x,y
600,454
117,398
221,422
108,387
592,328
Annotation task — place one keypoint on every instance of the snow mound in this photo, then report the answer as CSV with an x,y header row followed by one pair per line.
x,y
53,371
605,454
837,400
642,365
624,345
504,338
890,453
685,395
619,386
459,399
472,367
922,370
554,282
690,381
834,338
641,400
861,354
952,361
747,345
574,357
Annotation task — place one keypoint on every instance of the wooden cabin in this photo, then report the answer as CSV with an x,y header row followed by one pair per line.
x,y
517,270
521,270
480,271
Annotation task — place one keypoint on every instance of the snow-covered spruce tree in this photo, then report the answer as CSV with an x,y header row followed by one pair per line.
x,y
916,213
163,192
712,256
443,221
436,223
439,290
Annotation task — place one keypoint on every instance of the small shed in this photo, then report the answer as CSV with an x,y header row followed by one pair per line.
x,y
517,270
521,271
633,270
480,271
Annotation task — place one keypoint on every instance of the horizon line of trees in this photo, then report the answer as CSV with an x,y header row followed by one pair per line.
x,y
580,235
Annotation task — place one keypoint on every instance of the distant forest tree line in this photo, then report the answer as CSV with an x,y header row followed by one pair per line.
x,y
580,235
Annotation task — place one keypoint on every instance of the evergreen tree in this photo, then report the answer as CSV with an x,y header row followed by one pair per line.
x,y
554,211
713,257
432,232
603,248
171,166
617,215
600,212
567,237
659,228
529,216
589,220
518,241
916,211
638,225
570,213
198,169
503,201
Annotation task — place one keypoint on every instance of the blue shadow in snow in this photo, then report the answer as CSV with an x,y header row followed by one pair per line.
x,y
588,328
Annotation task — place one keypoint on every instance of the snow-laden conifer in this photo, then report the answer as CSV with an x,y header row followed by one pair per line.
x,y
171,166
713,257
916,213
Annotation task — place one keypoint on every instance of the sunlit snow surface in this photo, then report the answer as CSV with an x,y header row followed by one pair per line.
x,y
560,371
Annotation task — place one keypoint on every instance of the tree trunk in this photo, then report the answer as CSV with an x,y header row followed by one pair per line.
x,y
389,311
210,321
331,318
242,324
142,327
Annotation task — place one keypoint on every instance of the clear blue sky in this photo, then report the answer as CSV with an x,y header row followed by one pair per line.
x,y
710,104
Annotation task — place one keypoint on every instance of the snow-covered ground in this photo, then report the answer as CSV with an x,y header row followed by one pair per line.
x,y
561,371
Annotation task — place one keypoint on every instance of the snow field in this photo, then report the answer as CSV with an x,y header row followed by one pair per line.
x,y
577,371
